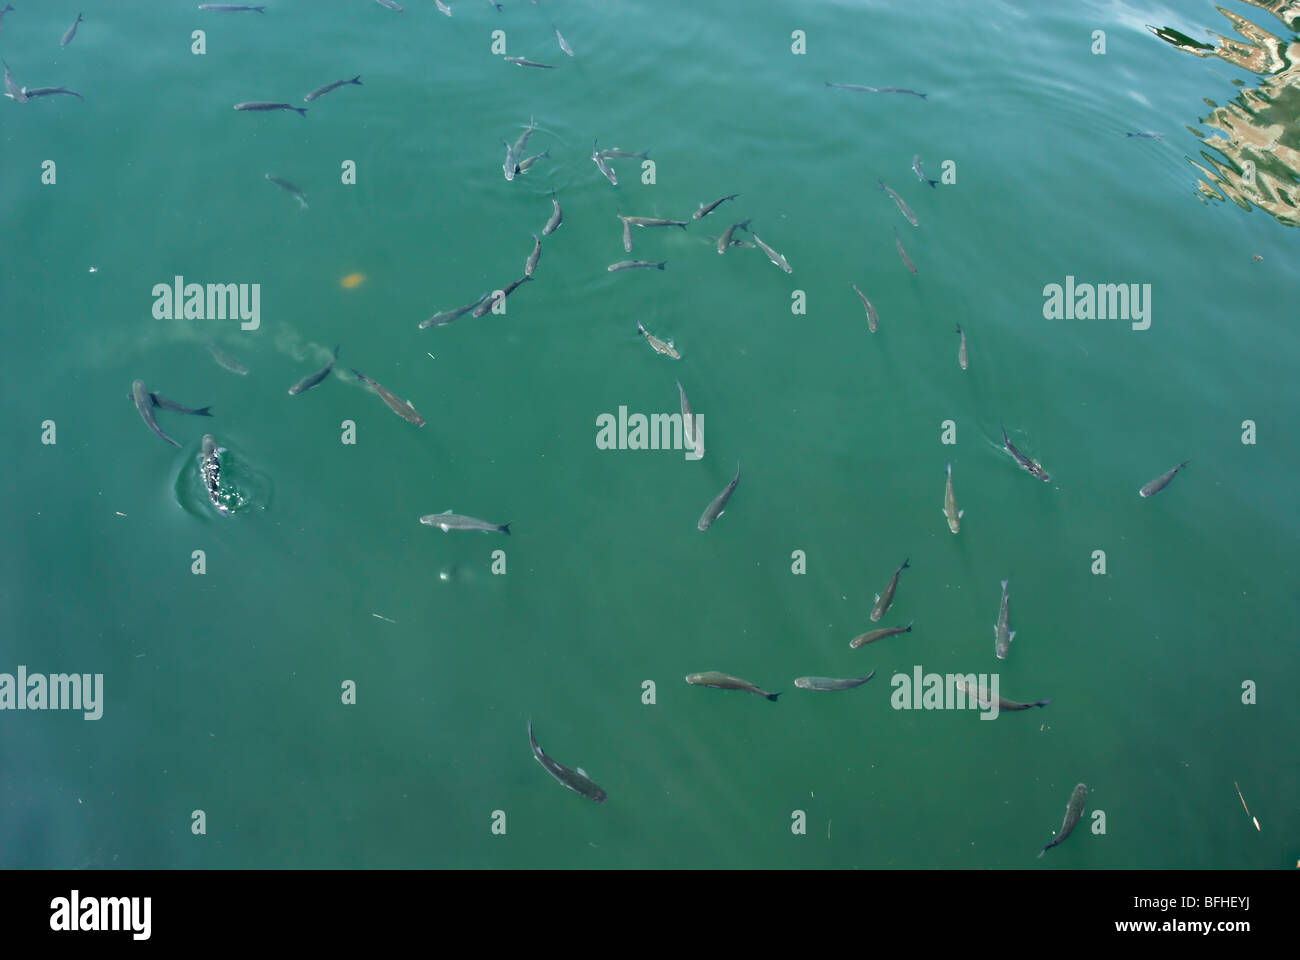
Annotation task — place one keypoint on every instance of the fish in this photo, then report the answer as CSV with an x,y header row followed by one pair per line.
x,y
627,233
602,166
72,31
667,349
873,320
575,780
1160,482
321,91
1073,811
527,162
981,696
309,381
920,174
907,261
724,241
403,408
874,635
454,521
772,255
961,350
488,302
633,264
617,154
12,88
1002,632
267,105
210,471
950,505
831,683
557,217
224,359
298,194
564,44
144,402
229,7
1147,134
162,403
706,209
1032,466
8,7
883,600
522,62
448,316
510,165
522,142
443,8
34,92
693,440
654,222
858,88
515,286
723,681
391,5
498,6
719,504
531,264
903,208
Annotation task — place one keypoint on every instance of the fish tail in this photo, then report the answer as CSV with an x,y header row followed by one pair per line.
x,y
882,184
505,528
907,629
745,226
302,111
773,696
336,350
356,80
203,412
1043,703
660,264
905,564
360,376
1043,851
1005,441
923,96
959,328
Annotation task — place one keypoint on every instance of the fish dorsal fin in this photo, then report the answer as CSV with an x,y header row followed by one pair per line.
x,y
583,772
444,513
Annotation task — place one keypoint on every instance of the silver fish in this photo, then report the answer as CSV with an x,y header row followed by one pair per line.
x,y
1162,481
557,217
602,166
950,505
873,320
454,521
72,31
724,681
443,8
1002,632
920,174
12,88
403,408
831,683
983,697
1030,465
576,780
224,359
724,241
391,5
660,346
298,194
654,222
633,264
858,88
162,403
522,62
719,504
564,44
522,142
902,207
617,154
510,165
1147,134
448,316
31,93
706,209
907,261
772,255
309,381
961,350
694,440
874,635
144,403
627,233
210,471
268,105
321,91
883,600
229,8
527,162
1073,811
531,264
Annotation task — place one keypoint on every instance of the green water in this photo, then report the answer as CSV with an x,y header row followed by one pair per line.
x,y
222,691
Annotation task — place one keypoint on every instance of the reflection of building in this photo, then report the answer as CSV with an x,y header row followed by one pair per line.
x,y
1254,157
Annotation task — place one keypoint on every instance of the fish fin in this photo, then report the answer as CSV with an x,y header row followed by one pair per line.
x,y
960,514
505,528
203,412
356,80
445,512
1043,703
1041,852
153,399
877,598
1012,637
772,696
583,773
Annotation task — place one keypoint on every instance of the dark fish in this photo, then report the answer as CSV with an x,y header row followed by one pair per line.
x,y
557,217
531,264
523,137
858,88
8,7
448,316
723,681
144,402
874,635
706,209
724,241
34,92
831,683
210,471
521,62
12,88
883,600
1073,811
907,261
267,105
1032,466
1147,134
873,320
403,408
72,31
309,381
527,162
514,286
224,359
1162,481
298,194
632,264
489,301
228,7
321,91
454,521
654,222
916,169
602,166
719,504
162,403
982,697
575,780
903,208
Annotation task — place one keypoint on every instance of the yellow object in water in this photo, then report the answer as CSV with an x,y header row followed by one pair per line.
x,y
353,280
